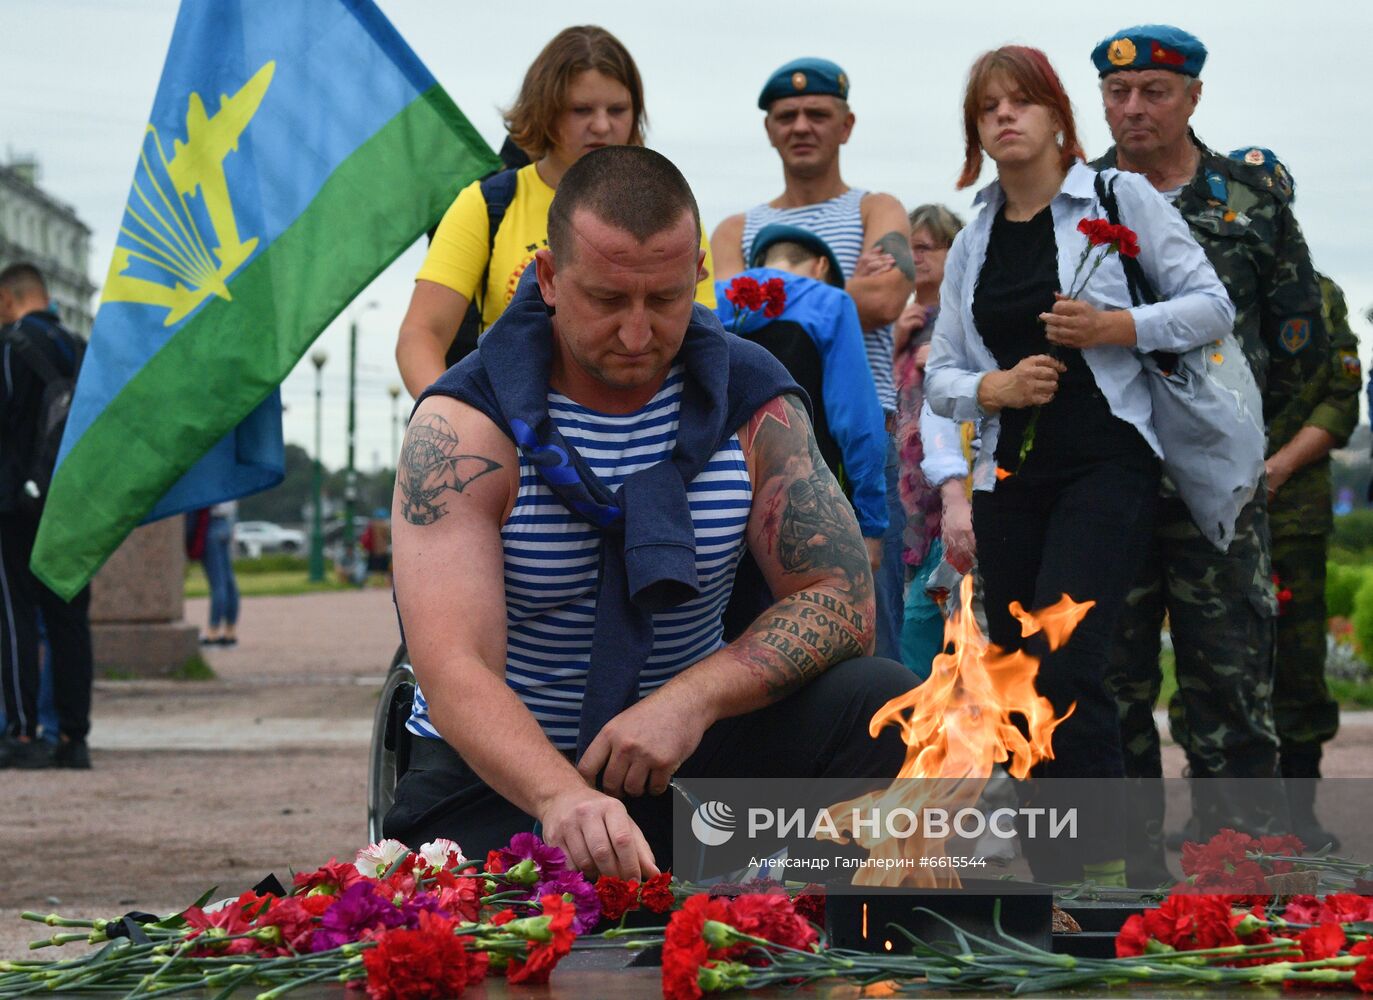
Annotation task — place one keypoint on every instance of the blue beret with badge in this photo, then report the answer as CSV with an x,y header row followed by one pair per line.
x,y
802,77
1150,46
1278,176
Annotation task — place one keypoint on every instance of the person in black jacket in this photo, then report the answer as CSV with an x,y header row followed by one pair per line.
x,y
31,325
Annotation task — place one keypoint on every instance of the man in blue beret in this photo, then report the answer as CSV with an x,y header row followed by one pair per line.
x,y
808,119
1221,607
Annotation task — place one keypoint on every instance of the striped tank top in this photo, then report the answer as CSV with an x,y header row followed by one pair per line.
x,y
551,560
839,222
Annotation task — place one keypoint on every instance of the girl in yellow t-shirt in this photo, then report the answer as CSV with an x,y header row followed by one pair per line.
x,y
582,92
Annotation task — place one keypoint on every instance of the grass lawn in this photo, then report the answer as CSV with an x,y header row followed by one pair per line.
x,y
272,583
1350,694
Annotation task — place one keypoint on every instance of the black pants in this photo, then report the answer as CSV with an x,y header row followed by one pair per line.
x,y
22,597
819,731
1080,532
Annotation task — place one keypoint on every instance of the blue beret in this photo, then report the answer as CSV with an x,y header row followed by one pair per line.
x,y
805,76
1266,160
778,232
1150,46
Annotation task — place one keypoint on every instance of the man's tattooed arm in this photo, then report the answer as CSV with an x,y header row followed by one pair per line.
x,y
431,465
899,246
806,540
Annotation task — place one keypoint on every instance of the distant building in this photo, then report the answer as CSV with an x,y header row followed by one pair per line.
x,y
36,227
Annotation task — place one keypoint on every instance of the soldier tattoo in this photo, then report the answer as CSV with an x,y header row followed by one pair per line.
x,y
432,463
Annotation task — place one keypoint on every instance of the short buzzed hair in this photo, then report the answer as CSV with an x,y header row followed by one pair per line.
x,y
628,187
789,251
23,279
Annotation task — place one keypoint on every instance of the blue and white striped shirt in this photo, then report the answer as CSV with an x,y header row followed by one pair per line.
x,y
551,559
839,222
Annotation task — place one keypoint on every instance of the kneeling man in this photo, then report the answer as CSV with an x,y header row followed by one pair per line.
x,y
571,504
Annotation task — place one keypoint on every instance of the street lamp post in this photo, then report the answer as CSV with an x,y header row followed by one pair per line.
x,y
394,390
317,357
350,481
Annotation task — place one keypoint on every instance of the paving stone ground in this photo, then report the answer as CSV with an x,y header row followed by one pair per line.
x,y
216,783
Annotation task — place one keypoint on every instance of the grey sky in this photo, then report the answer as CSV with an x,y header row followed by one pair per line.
x,y
77,78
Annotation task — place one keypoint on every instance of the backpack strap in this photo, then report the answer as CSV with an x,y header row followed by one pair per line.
x,y
498,191
33,357
1141,289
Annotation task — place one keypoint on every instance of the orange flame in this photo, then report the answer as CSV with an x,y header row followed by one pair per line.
x,y
957,725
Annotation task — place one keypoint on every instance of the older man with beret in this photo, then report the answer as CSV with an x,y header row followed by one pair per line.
x,y
1221,606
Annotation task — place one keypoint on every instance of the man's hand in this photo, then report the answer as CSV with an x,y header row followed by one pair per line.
x,y
641,748
874,547
1078,324
1032,382
871,262
596,833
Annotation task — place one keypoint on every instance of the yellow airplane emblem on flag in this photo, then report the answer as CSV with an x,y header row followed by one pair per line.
x,y
161,232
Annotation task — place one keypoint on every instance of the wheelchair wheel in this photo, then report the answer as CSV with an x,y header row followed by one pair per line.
x,y
390,741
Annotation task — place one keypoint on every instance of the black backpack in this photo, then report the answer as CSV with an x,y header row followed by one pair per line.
x,y
50,419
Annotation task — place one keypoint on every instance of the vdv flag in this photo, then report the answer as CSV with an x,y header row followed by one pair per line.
x,y
293,151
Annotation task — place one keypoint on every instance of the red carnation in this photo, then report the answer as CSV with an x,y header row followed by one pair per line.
x,y
1127,243
776,292
1344,908
1363,972
617,896
296,919
495,864
544,955
745,293
1191,923
1101,233
332,878
811,904
427,963
1302,910
1133,938
504,917
1321,942
773,918
656,895
684,949
462,900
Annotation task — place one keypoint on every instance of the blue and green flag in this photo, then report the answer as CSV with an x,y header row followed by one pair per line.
x,y
294,149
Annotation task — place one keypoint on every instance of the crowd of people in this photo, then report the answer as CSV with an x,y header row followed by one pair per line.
x,y
980,405
709,492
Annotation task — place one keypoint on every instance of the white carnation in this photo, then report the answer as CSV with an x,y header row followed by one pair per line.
x,y
375,859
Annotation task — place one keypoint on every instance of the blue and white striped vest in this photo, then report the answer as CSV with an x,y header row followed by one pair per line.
x,y
551,559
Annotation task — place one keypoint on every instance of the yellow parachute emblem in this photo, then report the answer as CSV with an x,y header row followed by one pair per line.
x,y
1121,52
161,232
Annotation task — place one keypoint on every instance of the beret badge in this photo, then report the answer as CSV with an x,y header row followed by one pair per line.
x,y
1122,52
798,80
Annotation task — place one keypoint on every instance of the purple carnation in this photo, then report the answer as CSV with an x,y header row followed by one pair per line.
x,y
422,902
583,894
526,846
357,910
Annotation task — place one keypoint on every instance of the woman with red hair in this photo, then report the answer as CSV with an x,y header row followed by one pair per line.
x,y
1067,476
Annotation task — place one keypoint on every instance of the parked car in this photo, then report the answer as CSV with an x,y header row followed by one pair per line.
x,y
253,538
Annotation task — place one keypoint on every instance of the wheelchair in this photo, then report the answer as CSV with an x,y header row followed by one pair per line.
x,y
389,755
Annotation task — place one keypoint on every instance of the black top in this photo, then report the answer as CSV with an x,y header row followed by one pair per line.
x,y
1017,283
21,394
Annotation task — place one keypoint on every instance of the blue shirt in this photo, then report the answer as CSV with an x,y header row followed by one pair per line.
x,y
1194,308
855,419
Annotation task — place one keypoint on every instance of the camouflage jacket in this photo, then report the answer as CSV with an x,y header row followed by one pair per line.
x,y
1331,402
1242,218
